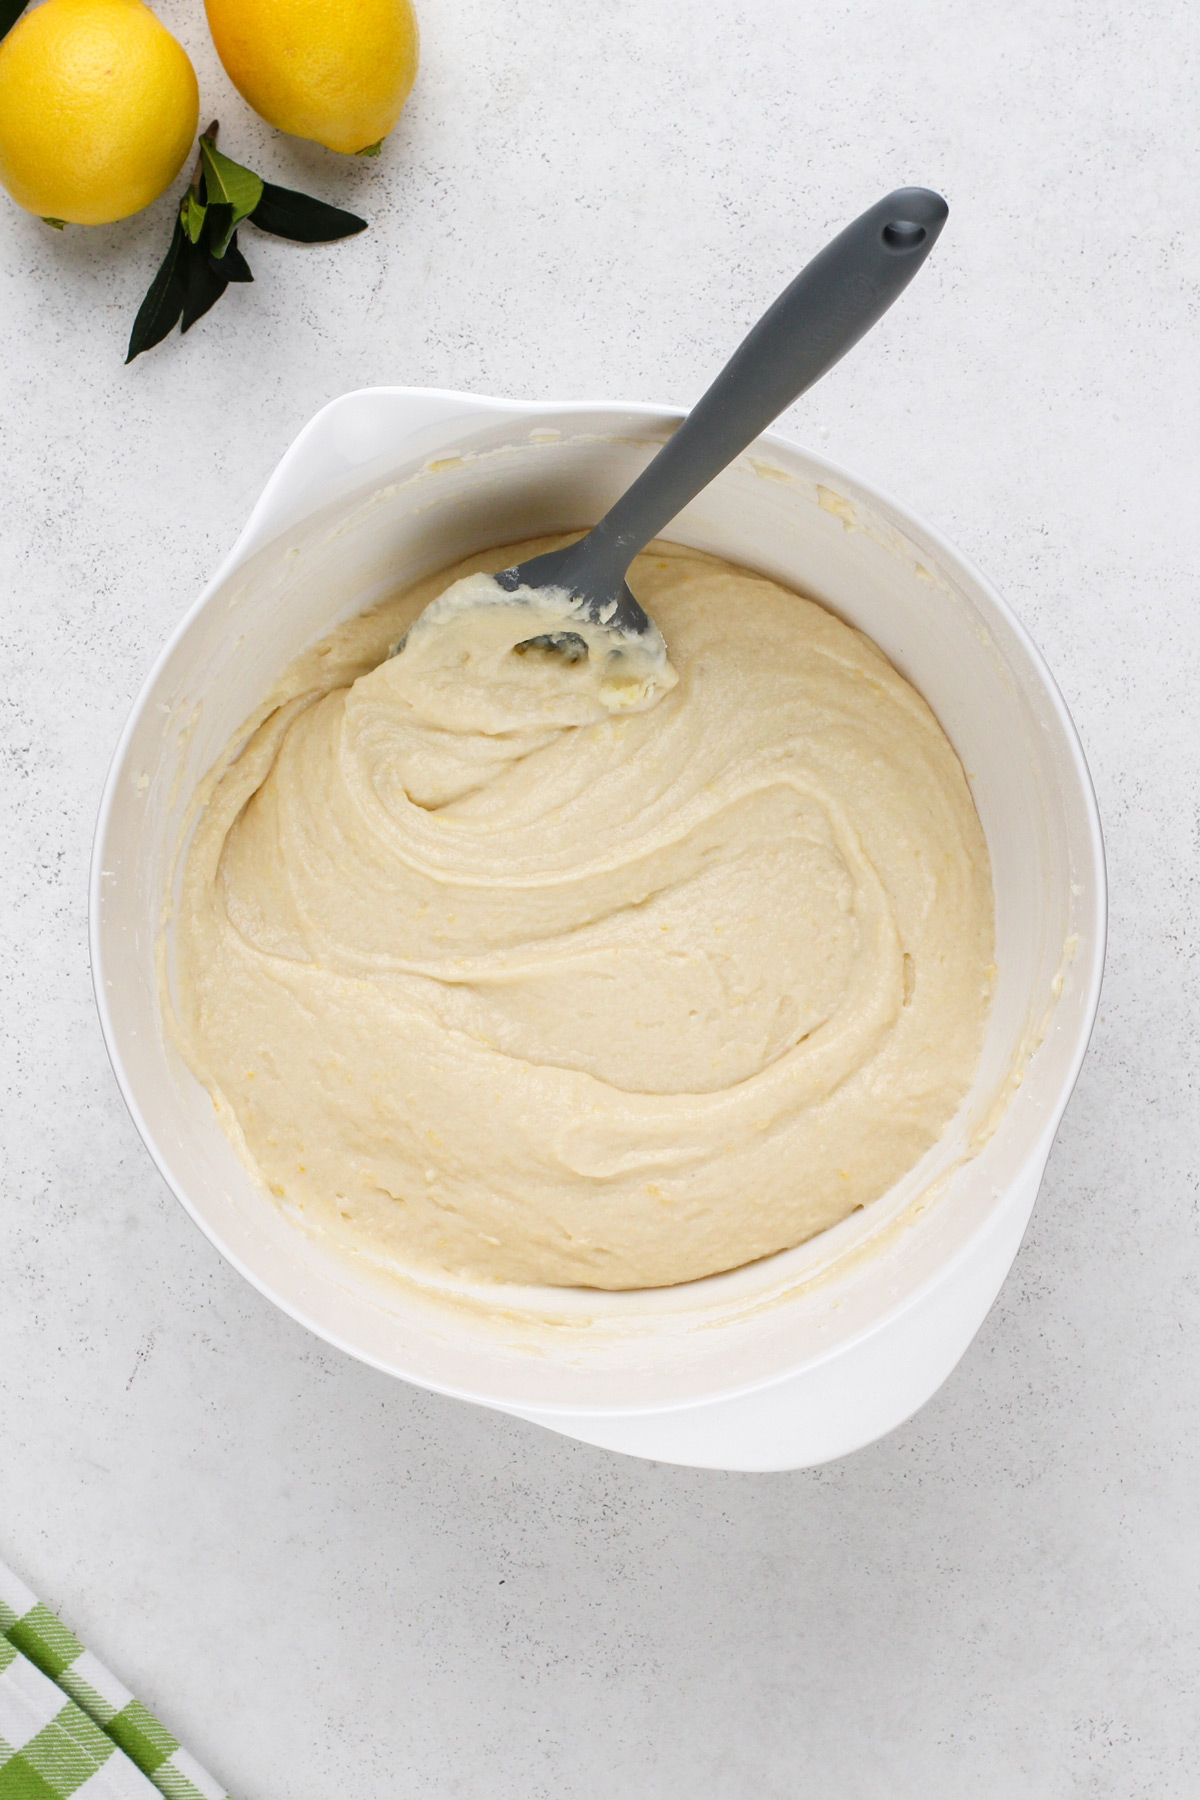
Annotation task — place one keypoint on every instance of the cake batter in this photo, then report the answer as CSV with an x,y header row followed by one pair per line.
x,y
523,978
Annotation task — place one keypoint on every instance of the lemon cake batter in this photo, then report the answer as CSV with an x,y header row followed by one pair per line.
x,y
496,970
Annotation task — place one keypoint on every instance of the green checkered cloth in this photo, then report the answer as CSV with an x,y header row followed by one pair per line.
x,y
69,1728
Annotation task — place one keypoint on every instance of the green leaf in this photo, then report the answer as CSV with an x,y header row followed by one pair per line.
x,y
221,223
193,213
287,214
370,149
10,12
234,264
204,283
163,304
229,184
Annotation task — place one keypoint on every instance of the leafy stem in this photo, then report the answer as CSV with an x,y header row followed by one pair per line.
x,y
203,257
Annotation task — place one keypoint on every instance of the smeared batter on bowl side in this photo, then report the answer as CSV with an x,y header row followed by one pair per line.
x,y
558,992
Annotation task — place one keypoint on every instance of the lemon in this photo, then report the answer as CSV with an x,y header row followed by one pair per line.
x,y
98,109
337,71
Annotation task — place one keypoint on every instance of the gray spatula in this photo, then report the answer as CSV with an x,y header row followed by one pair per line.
x,y
832,303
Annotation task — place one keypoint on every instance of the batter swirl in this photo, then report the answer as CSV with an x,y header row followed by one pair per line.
x,y
558,993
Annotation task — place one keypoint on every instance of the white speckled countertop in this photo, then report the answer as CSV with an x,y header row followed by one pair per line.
x,y
329,1583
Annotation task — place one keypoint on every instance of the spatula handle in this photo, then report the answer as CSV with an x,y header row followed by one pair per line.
x,y
830,305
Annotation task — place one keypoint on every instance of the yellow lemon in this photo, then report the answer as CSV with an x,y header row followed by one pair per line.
x,y
337,71
98,109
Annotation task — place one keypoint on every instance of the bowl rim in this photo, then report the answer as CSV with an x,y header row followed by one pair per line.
x,y
252,538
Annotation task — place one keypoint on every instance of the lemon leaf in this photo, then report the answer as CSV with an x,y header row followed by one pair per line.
x,y
204,258
163,304
228,184
285,213
221,224
193,213
234,263
10,12
204,283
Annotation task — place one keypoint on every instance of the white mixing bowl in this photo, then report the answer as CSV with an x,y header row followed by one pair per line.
x,y
805,1355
